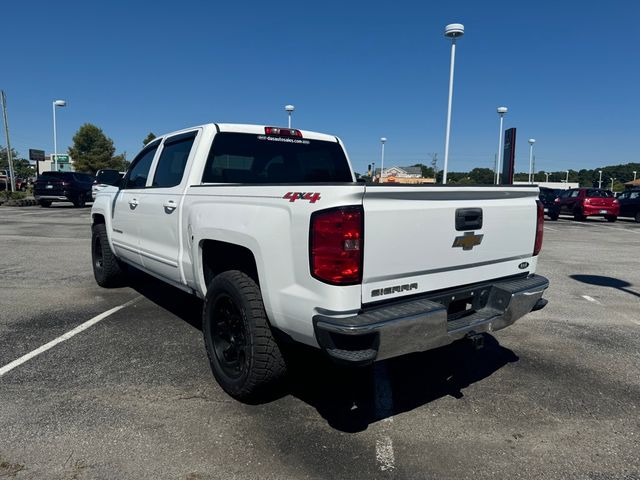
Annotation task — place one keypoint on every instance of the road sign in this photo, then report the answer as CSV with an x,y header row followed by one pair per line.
x,y
61,158
36,155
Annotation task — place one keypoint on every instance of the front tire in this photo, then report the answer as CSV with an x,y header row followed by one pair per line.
x,y
637,217
45,203
107,269
243,353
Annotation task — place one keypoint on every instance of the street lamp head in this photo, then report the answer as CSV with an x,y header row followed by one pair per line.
x,y
289,108
60,103
532,141
600,172
383,139
454,30
502,110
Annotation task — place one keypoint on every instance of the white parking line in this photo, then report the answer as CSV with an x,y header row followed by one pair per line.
x,y
62,338
591,299
552,229
384,409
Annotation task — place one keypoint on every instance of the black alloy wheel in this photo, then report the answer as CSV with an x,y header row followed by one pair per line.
x,y
229,336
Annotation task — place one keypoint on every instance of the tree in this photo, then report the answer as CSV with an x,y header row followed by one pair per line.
x,y
149,137
21,167
120,162
92,150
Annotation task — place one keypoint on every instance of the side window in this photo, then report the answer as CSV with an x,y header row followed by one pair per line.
x,y
634,195
575,193
623,196
173,160
139,172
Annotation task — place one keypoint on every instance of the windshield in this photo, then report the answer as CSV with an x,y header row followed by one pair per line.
x,y
250,158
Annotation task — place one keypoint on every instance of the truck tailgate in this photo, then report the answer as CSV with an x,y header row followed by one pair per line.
x,y
412,243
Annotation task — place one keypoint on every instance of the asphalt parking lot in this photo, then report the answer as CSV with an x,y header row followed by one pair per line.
x,y
555,396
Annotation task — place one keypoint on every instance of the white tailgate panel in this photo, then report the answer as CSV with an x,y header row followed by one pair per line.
x,y
410,241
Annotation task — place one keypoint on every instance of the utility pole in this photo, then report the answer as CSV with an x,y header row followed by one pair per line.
x,y
434,165
6,133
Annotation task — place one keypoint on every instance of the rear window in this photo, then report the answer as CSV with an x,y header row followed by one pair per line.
x,y
599,194
54,175
108,177
250,158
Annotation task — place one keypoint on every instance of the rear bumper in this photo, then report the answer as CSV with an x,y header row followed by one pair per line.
x,y
595,211
51,197
425,323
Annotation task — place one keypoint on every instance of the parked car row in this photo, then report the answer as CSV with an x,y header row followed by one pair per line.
x,y
77,188
5,181
590,202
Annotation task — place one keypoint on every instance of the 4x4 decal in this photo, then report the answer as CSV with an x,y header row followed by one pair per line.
x,y
311,197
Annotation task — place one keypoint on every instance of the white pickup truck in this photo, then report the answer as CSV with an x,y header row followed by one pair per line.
x,y
270,227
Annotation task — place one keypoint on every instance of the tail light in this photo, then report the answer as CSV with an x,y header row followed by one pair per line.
x,y
615,201
335,245
557,200
587,201
537,246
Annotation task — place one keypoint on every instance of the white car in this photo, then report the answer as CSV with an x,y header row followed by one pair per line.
x,y
269,226
105,177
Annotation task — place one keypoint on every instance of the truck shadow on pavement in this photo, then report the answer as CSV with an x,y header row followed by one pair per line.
x,y
352,398
602,281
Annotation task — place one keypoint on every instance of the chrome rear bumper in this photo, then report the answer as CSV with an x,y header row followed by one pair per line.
x,y
425,323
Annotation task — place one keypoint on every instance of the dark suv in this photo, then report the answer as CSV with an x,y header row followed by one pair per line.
x,y
548,198
630,204
63,186
588,202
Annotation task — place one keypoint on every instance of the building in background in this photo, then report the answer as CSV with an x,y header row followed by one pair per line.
x,y
407,175
65,164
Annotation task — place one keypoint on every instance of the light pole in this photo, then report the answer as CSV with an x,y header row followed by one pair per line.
x,y
612,180
289,109
373,172
531,142
501,111
56,103
382,141
547,175
634,175
600,180
452,31
567,180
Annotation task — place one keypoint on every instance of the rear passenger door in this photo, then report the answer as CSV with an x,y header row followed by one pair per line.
x,y
160,212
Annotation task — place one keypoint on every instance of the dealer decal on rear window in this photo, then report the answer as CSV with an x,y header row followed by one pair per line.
x,y
311,197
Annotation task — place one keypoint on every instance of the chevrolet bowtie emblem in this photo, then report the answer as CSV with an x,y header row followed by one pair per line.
x,y
467,241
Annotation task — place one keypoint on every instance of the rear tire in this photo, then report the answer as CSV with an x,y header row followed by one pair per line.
x,y
637,217
243,353
107,269
79,201
554,216
579,216
45,203
611,218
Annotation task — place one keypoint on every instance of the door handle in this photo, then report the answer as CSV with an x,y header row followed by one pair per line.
x,y
169,206
133,203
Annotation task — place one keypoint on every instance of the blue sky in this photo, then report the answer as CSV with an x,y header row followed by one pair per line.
x,y
568,71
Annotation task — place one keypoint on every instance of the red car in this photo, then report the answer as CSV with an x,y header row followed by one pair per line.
x,y
588,202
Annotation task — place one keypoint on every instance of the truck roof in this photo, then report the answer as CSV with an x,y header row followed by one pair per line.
x,y
255,129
